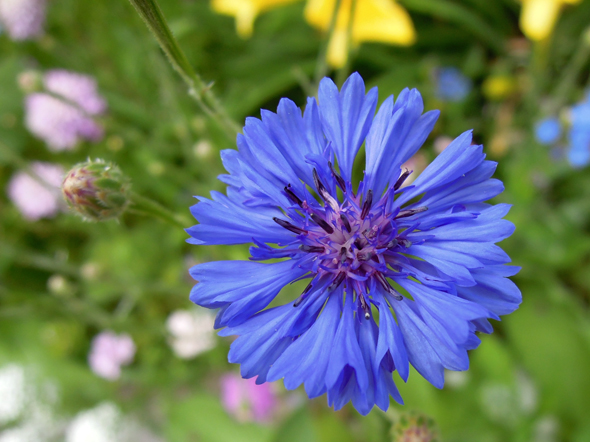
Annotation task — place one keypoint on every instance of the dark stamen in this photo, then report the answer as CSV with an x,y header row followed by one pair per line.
x,y
410,212
287,225
338,178
291,195
345,222
401,179
302,296
311,249
365,306
343,255
389,245
329,199
337,281
405,243
367,204
322,223
385,284
365,256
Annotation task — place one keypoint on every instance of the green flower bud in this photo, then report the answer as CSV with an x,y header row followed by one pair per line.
x,y
97,190
413,426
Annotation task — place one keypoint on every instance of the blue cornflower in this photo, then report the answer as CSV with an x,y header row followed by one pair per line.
x,y
397,275
578,152
451,84
548,130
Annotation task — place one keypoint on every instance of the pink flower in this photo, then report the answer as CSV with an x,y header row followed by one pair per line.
x,y
245,400
37,193
77,88
22,19
65,116
109,352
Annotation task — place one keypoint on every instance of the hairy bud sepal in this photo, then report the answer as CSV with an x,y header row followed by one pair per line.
x,y
97,190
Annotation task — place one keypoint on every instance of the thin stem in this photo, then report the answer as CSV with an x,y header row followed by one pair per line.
x,y
38,261
322,64
153,17
146,206
572,71
344,70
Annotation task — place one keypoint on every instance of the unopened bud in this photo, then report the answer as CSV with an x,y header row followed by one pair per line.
x,y
413,426
97,190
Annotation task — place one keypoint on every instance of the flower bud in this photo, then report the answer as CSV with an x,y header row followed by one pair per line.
x,y
97,190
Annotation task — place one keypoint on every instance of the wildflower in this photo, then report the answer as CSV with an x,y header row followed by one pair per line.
x,y
96,190
538,17
245,11
36,192
451,84
22,19
548,130
578,152
191,332
397,276
65,115
109,352
245,399
374,20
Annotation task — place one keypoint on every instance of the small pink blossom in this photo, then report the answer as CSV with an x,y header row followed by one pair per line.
x,y
245,400
37,193
22,19
77,88
65,116
109,352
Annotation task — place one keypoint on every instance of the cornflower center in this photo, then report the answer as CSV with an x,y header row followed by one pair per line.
x,y
351,241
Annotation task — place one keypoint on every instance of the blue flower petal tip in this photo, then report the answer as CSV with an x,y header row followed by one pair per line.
x,y
396,275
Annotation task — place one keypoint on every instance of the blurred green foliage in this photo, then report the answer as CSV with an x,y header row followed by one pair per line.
x,y
63,280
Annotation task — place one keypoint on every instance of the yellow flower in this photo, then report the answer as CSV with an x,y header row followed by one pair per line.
x,y
245,11
539,16
375,20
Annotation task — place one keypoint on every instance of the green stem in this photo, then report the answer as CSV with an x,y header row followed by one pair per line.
x,y
322,64
38,261
146,206
345,70
153,17
572,71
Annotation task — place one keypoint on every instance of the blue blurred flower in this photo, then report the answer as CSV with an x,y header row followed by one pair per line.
x,y
548,131
451,84
578,152
397,275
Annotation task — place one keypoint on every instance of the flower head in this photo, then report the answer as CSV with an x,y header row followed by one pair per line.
x,y
451,84
191,332
245,11
36,192
578,152
374,20
245,399
109,352
538,17
396,275
65,115
548,130
23,19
